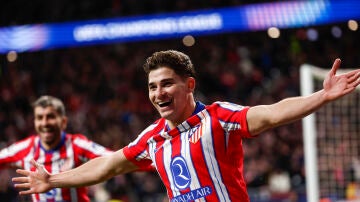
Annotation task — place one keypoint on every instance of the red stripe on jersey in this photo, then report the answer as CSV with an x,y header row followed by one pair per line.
x,y
48,163
159,161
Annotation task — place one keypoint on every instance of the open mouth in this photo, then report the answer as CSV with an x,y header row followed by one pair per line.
x,y
164,104
47,130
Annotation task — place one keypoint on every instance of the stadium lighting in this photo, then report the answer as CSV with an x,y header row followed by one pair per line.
x,y
336,31
11,56
312,34
188,40
273,32
353,25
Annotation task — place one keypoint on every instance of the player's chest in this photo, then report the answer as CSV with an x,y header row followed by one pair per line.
x,y
186,142
57,161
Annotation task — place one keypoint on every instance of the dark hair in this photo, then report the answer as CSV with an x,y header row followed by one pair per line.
x,y
47,100
175,60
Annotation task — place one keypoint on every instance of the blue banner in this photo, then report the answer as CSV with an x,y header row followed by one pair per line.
x,y
172,25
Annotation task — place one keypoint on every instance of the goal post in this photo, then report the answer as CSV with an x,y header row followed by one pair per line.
x,y
331,143
309,138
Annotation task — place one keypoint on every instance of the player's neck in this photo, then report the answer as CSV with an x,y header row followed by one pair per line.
x,y
51,146
188,112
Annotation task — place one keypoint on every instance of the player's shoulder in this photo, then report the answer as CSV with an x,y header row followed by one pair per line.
x,y
79,139
24,143
228,106
30,138
75,136
157,125
225,108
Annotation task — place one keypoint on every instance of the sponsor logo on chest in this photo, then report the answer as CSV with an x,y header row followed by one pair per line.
x,y
182,180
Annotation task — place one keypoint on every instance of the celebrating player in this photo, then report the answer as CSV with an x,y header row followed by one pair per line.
x,y
195,148
53,148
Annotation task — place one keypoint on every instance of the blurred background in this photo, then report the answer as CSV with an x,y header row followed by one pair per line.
x,y
247,52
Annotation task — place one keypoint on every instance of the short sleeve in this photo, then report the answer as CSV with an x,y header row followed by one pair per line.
x,y
138,158
138,150
232,118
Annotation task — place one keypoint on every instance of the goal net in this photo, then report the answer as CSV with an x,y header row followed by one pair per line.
x,y
331,143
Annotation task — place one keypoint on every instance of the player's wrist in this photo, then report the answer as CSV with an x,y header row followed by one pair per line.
x,y
54,181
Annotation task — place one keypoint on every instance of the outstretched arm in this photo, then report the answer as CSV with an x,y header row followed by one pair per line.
x,y
92,172
263,117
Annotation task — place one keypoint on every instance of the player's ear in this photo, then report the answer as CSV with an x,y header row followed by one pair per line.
x,y
191,83
64,122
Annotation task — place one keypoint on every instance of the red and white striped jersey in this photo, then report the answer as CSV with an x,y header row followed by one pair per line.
x,y
74,150
202,158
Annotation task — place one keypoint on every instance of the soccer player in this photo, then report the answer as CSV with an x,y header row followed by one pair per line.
x,y
195,148
57,150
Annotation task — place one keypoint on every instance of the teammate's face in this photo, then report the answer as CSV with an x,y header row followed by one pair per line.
x,y
49,124
171,95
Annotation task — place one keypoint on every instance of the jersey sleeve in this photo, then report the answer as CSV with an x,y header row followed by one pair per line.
x,y
87,149
134,156
232,118
137,151
13,155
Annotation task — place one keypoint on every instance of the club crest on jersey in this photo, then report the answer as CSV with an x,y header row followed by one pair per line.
x,y
195,133
180,173
50,194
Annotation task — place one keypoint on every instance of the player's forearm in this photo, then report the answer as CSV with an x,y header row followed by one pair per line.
x,y
295,108
92,172
95,171
264,117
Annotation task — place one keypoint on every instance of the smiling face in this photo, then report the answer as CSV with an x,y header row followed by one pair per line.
x,y
49,124
171,95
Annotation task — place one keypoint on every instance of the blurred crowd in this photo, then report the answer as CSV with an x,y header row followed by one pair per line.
x,y
105,90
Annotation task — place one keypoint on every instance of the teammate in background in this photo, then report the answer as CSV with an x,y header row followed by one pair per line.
x,y
57,150
195,148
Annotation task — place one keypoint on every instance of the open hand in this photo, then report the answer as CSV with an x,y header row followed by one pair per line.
x,y
32,181
336,86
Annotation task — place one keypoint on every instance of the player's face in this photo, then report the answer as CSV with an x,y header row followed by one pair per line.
x,y
49,124
171,95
